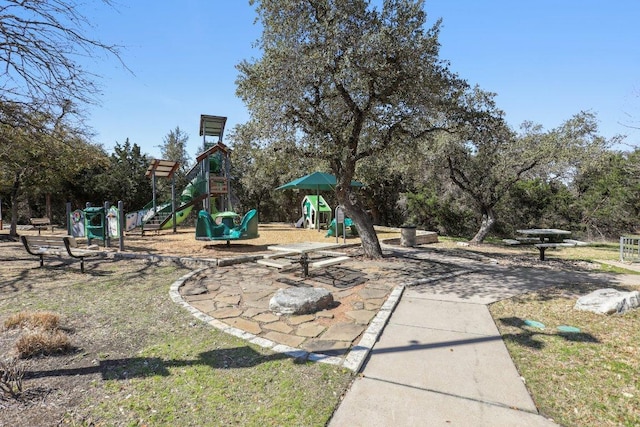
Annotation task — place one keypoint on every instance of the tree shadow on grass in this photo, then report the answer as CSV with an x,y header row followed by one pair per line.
x,y
143,367
528,335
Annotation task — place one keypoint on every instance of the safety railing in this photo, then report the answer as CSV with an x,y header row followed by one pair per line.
x,y
630,248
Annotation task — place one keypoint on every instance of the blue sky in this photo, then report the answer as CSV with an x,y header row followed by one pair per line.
x,y
546,60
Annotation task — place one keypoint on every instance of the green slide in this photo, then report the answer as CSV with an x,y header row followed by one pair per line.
x,y
193,192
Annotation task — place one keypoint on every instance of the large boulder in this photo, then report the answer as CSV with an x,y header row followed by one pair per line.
x,y
300,300
608,301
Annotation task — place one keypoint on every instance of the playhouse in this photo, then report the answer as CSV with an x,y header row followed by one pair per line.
x,y
315,212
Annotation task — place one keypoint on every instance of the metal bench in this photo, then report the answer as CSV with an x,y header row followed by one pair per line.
x,y
41,223
57,246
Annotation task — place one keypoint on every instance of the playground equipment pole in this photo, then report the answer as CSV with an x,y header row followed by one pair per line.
x,y
68,218
207,173
227,167
105,232
173,201
122,225
87,205
153,186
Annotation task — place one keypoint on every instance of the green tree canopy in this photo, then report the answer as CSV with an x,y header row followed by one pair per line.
x,y
125,179
348,81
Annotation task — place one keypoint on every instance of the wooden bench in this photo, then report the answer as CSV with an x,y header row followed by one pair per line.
x,y
57,246
41,223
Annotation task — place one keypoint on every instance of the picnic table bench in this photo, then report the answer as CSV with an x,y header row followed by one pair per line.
x,y
57,246
303,250
548,238
544,246
41,223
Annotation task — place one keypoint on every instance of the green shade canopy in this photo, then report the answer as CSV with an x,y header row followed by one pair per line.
x,y
315,181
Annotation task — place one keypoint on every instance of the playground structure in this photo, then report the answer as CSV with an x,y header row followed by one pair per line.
x,y
96,223
208,229
315,212
208,182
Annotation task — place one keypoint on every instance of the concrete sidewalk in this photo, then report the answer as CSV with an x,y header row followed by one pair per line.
x,y
441,361
438,363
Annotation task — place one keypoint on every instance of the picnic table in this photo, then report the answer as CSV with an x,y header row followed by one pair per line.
x,y
546,235
549,238
304,249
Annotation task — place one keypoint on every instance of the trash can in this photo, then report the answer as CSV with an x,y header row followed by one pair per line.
x,y
408,236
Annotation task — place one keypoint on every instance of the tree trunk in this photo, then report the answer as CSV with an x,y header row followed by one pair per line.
x,y
49,211
488,220
358,215
13,199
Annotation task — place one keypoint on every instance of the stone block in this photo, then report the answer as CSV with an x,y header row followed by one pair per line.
x,y
300,300
608,301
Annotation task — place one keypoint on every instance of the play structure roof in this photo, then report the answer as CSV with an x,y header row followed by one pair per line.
x,y
162,168
315,181
212,125
313,200
219,146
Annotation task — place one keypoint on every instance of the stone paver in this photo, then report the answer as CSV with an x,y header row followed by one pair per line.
x,y
310,330
228,299
245,325
343,332
265,317
297,320
279,327
227,312
361,317
370,293
331,347
205,306
286,339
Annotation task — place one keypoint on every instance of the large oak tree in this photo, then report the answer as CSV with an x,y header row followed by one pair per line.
x,y
348,81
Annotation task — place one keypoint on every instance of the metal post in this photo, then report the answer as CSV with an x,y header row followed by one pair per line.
x,y
153,186
339,217
69,231
86,231
207,173
121,224
227,166
173,201
105,226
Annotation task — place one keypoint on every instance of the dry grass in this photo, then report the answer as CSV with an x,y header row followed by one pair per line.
x,y
41,334
43,320
42,342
